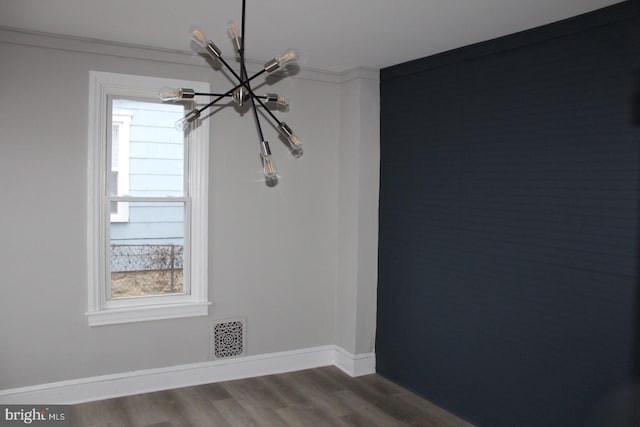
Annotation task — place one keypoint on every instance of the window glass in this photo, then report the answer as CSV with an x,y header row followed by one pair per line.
x,y
147,253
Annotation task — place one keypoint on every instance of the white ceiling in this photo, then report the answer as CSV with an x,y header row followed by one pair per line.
x,y
332,35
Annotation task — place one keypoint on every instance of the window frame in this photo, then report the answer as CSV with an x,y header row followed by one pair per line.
x,y
101,309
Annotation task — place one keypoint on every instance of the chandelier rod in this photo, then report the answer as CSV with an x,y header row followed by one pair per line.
x,y
243,73
242,31
255,115
226,95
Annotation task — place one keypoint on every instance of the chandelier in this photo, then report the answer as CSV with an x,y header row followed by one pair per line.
x,y
241,93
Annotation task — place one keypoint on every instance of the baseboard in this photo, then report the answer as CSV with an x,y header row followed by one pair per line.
x,y
355,365
149,380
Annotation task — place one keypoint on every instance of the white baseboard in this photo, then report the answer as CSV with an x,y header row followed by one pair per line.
x,y
355,365
149,380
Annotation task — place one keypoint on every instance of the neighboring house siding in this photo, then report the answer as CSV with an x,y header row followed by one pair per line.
x,y
156,167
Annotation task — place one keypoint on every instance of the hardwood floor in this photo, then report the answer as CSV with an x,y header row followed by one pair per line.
x,y
316,397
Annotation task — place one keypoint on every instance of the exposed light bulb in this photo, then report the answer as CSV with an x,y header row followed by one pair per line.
x,y
184,122
169,93
288,56
181,124
268,166
173,94
279,61
198,36
232,30
293,139
297,152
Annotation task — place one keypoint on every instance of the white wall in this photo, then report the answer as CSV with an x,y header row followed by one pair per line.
x,y
273,251
359,181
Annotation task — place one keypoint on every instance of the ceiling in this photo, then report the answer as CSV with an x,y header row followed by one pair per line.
x,y
331,35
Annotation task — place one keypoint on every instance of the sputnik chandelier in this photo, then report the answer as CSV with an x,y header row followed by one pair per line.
x,y
241,93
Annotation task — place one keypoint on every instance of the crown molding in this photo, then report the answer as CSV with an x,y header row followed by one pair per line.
x,y
45,40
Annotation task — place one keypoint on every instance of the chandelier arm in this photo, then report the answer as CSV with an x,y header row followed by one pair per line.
x,y
259,73
212,103
255,115
243,71
243,74
227,95
273,116
243,67
231,70
212,94
230,92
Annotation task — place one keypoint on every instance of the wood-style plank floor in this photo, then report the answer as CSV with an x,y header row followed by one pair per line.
x,y
315,397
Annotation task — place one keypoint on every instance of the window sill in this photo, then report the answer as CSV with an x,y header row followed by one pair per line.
x,y
146,313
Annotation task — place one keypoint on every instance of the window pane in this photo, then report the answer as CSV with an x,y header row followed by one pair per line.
x,y
147,252
146,149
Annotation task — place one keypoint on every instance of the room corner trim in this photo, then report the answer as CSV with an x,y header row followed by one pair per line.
x,y
355,365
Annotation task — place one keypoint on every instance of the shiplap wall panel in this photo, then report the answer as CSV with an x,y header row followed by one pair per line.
x,y
508,252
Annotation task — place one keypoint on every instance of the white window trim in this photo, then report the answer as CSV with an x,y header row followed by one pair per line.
x,y
123,120
100,310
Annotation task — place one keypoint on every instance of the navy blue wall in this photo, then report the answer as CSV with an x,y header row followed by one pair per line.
x,y
508,251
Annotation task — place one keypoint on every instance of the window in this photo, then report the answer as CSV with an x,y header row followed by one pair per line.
x,y
147,246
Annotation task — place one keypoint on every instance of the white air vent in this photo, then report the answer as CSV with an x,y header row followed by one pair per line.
x,y
228,338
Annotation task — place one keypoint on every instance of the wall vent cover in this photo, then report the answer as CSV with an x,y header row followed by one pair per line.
x,y
228,338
